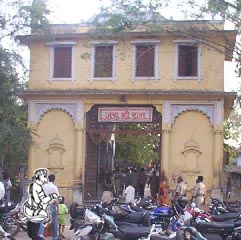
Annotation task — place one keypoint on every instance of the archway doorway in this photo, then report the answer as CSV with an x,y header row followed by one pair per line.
x,y
111,132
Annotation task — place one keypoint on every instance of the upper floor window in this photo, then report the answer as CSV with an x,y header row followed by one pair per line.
x,y
187,60
145,58
103,60
61,60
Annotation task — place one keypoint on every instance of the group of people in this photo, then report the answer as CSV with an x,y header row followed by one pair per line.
x,y
198,194
131,183
44,206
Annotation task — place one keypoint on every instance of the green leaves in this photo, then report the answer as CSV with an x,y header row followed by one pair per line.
x,y
14,135
138,146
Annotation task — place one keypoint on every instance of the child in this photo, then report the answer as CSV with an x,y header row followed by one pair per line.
x,y
107,197
62,210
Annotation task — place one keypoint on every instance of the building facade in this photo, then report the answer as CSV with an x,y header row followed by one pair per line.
x,y
81,85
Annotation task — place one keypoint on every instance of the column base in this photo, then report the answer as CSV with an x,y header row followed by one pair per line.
x,y
217,193
78,193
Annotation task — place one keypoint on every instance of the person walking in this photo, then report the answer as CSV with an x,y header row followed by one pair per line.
x,y
7,186
134,180
163,191
154,182
50,188
62,211
119,179
180,188
142,182
199,192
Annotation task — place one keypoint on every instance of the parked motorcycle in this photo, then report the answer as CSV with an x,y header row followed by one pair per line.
x,y
19,216
167,217
104,227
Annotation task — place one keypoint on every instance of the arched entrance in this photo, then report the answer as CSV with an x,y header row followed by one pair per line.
x,y
108,124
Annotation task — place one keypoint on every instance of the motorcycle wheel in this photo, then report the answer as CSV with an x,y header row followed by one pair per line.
x,y
11,226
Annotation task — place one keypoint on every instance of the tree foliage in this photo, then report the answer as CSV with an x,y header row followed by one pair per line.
x,y
138,146
232,128
14,135
15,18
125,15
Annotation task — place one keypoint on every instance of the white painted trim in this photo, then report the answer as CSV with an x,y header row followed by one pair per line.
x,y
51,78
145,42
38,107
61,43
212,109
199,66
98,44
103,43
185,41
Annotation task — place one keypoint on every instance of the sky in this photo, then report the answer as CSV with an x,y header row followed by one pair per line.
x,y
75,11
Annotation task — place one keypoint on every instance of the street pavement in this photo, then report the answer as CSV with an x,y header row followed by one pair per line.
x,y
22,235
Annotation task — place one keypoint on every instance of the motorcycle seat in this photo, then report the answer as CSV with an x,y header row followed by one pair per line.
x,y
212,225
225,216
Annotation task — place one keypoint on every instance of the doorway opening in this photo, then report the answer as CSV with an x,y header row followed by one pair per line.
x,y
120,136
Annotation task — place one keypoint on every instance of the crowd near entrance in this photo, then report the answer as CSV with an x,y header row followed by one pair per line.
x,y
120,138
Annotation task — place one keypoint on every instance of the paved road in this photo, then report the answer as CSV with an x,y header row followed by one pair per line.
x,y
22,235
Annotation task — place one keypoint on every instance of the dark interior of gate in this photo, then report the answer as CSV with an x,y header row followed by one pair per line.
x,y
107,125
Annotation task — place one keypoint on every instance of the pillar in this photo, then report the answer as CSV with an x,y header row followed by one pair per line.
x,y
165,159
79,154
31,153
78,186
217,162
217,154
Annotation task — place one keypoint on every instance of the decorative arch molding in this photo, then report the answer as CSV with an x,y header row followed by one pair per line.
x,y
191,154
213,110
43,108
55,151
38,108
207,110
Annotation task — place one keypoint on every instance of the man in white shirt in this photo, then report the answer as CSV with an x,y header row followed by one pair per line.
x,y
2,192
130,194
49,188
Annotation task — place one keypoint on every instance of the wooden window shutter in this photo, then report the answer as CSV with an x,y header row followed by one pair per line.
x,y
62,62
145,60
187,61
103,61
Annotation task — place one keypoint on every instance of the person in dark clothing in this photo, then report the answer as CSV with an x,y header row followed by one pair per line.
x,y
119,180
134,180
142,181
33,228
128,177
154,183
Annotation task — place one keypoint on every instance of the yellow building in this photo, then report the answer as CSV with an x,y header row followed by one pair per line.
x,y
81,85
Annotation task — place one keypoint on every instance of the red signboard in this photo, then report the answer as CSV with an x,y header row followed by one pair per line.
x,y
125,114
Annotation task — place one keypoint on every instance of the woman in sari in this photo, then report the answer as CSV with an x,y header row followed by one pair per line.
x,y
163,192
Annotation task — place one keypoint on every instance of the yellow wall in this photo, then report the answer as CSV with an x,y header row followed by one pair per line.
x,y
60,124
192,126
211,64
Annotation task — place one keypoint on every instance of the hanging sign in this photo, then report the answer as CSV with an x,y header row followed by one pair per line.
x,y
125,114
